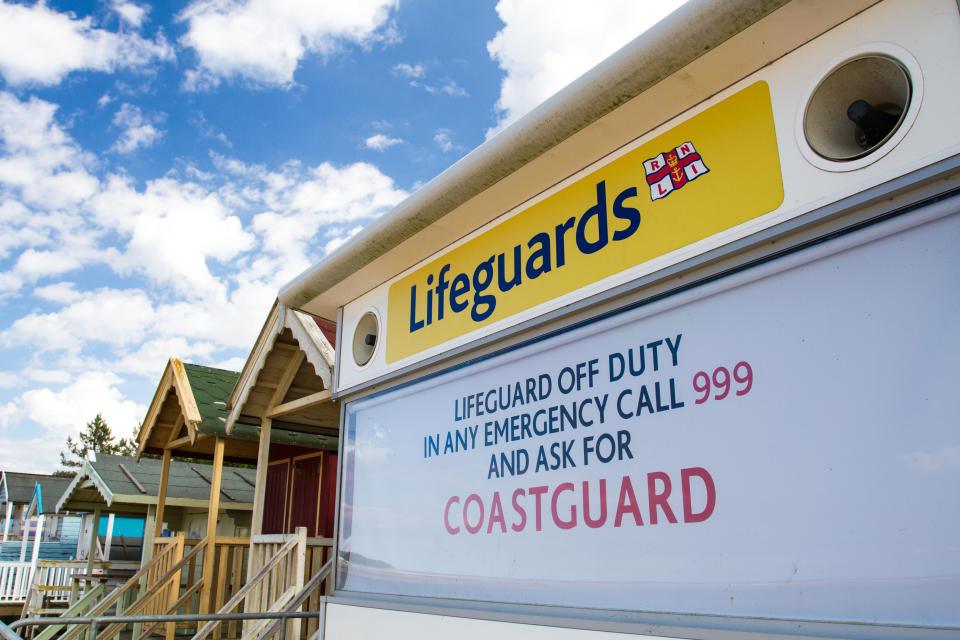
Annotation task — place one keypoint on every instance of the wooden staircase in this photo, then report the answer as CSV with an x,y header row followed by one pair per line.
x,y
286,572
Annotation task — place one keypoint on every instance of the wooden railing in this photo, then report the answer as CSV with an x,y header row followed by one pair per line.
x,y
286,573
299,602
78,608
112,600
300,588
230,573
53,581
14,581
58,583
171,583
164,595
167,552
285,570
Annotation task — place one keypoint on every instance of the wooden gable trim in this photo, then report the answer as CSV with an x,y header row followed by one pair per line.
x,y
271,330
188,405
98,482
159,397
87,472
313,343
175,377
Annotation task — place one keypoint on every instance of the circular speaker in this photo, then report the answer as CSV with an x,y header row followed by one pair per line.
x,y
365,337
857,108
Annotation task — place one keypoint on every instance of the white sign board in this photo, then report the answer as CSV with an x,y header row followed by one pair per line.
x,y
784,442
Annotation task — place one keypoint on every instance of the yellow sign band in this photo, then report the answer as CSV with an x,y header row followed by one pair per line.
x,y
712,172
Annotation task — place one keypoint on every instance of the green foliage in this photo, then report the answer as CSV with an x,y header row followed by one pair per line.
x,y
96,437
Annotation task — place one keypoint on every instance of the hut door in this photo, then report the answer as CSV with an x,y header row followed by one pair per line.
x,y
306,492
276,497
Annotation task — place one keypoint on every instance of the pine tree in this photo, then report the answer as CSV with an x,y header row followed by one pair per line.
x,y
96,437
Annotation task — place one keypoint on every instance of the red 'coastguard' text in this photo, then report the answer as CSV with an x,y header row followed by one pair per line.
x,y
591,503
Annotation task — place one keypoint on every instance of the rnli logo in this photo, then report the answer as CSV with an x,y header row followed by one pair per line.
x,y
673,169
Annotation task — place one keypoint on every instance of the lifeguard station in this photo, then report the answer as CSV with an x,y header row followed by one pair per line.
x,y
673,355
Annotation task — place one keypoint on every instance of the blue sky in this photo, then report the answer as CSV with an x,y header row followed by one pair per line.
x,y
165,168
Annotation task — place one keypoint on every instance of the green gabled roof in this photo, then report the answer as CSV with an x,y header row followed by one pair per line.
x,y
18,488
123,480
211,389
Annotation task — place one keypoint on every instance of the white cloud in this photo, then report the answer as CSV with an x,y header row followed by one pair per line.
x,y
62,292
299,202
110,316
542,55
138,130
33,264
451,88
9,412
381,142
132,14
444,138
207,130
41,161
416,73
67,411
152,356
231,321
73,247
231,364
407,70
35,455
339,194
263,41
48,376
61,413
171,230
39,45
45,177
198,257
945,458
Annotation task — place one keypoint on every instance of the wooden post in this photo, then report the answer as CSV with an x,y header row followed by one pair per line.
x,y
300,568
24,534
36,549
173,591
6,522
92,550
146,553
260,486
256,525
109,540
162,493
209,553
